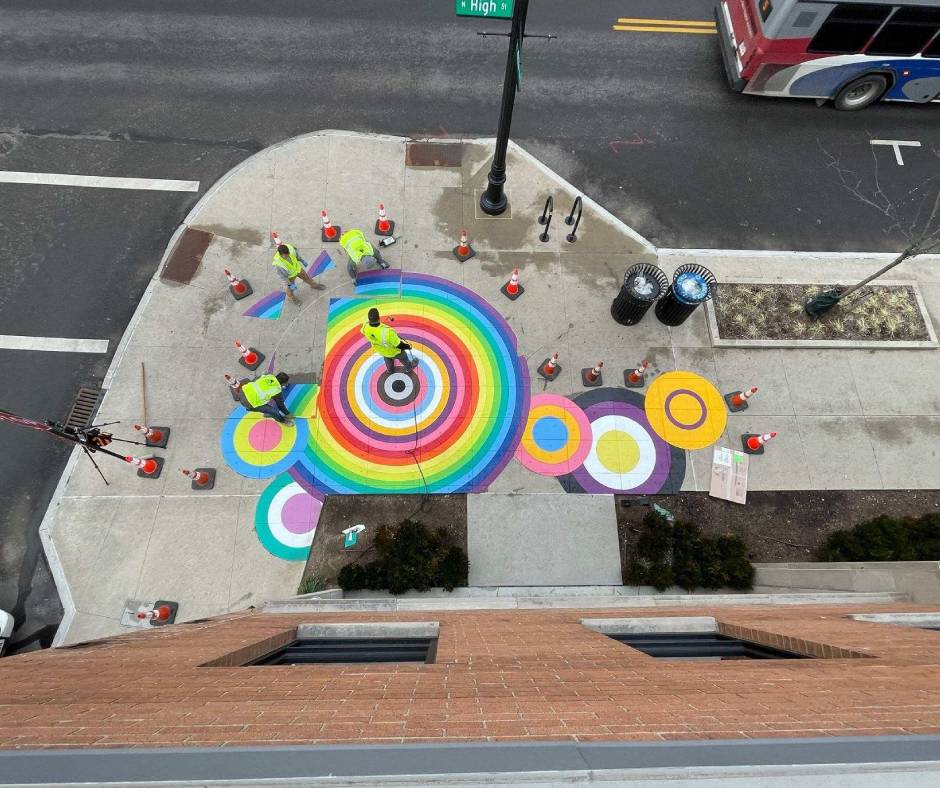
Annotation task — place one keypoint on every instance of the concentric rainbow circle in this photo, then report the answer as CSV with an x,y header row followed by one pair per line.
x,y
256,446
685,410
451,426
286,518
557,436
624,455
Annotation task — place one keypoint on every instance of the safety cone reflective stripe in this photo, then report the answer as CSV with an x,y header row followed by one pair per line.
x,y
233,382
237,284
384,223
150,433
552,363
756,441
328,229
637,375
513,286
741,397
595,373
463,247
247,353
161,613
146,465
198,477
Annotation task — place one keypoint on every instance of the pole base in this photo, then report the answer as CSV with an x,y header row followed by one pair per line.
x,y
729,401
543,373
156,473
494,207
258,360
244,294
586,379
748,449
209,484
512,297
464,257
386,233
631,384
160,444
335,238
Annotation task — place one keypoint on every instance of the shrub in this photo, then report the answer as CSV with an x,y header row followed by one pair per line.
x,y
410,557
885,538
309,585
677,554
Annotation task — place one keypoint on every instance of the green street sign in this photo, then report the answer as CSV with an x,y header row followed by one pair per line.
x,y
495,9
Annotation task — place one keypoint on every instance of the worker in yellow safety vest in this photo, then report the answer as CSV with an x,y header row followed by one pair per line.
x,y
290,266
362,255
265,396
386,342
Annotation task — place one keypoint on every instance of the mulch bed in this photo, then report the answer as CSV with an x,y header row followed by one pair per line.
x,y
775,311
776,526
327,554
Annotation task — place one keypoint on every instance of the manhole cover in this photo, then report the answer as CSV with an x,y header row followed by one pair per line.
x,y
187,256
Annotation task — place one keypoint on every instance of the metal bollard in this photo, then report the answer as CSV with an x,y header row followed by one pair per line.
x,y
569,220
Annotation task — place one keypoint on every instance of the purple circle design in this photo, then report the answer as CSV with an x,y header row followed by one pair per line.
x,y
693,395
661,470
300,512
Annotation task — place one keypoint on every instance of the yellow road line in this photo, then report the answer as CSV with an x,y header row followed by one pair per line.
x,y
677,22
638,29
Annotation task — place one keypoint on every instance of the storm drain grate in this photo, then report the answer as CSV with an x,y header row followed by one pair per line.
x,y
83,409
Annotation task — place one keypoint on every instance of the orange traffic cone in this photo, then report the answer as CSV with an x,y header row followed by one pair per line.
x,y
550,368
239,288
636,378
154,437
250,358
201,478
512,289
592,376
329,232
383,225
147,467
737,400
463,251
158,614
754,444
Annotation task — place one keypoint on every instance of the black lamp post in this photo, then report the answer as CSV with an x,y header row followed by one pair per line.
x,y
493,201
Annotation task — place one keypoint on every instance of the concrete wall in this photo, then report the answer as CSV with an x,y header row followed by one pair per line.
x,y
920,579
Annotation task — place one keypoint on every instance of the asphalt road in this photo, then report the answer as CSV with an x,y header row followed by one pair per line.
x,y
185,89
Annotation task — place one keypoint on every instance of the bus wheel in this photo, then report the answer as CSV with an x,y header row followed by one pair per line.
x,y
861,92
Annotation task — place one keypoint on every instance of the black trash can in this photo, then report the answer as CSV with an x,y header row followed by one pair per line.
x,y
642,285
692,285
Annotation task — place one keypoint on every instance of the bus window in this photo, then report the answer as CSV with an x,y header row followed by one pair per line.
x,y
765,7
849,27
933,49
906,32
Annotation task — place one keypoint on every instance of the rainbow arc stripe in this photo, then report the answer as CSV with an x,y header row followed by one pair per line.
x,y
268,308
321,265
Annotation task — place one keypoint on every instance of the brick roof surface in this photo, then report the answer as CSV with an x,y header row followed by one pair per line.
x,y
498,676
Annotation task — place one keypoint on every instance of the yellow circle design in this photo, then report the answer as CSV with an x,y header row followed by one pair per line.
x,y
618,452
685,410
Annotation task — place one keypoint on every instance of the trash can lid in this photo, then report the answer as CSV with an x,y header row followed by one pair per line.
x,y
643,287
691,288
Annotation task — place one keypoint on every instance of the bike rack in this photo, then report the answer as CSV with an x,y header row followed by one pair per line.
x,y
569,220
546,218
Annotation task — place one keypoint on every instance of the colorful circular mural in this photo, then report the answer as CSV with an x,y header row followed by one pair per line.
x,y
685,410
557,436
624,454
286,518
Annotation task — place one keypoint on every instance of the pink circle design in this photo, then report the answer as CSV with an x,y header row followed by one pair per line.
x,y
301,513
264,435
679,424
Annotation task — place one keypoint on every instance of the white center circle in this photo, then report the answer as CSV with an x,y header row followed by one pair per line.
x,y
644,466
403,390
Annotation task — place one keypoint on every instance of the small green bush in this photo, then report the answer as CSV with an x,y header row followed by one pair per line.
x,y
885,538
410,557
310,584
678,554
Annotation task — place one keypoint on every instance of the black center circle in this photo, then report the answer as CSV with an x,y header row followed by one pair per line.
x,y
398,388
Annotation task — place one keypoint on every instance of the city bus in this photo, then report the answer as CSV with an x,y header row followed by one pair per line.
x,y
852,53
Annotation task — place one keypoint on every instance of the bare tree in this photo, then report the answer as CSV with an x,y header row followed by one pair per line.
x,y
915,217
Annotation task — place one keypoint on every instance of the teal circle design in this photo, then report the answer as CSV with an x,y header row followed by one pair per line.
x,y
278,540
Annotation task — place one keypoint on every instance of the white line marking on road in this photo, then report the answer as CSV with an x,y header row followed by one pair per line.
x,y
896,144
97,181
55,344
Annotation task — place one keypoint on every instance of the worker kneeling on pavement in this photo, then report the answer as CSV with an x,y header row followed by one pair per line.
x,y
362,255
386,342
264,395
290,266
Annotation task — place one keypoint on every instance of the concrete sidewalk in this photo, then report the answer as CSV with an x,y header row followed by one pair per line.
x,y
846,419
